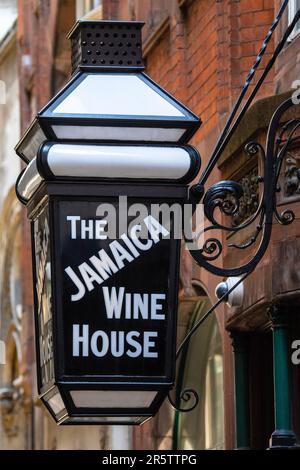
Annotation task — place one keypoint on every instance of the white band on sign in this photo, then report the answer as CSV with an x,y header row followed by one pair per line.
x,y
71,161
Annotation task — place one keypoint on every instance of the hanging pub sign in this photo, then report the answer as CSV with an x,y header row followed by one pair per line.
x,y
106,245
112,317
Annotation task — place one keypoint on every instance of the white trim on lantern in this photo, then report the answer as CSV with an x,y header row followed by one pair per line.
x,y
112,398
29,181
107,161
118,161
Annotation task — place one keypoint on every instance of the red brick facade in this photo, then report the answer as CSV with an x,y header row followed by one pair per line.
x,y
201,52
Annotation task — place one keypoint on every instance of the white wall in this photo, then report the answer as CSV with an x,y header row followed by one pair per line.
x,y
9,120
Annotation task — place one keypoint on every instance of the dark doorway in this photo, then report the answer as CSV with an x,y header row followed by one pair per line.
x,y
261,389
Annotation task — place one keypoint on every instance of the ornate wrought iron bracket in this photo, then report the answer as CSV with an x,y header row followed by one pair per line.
x,y
223,199
225,196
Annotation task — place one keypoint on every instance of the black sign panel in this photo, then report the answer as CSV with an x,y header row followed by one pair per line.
x,y
117,306
42,287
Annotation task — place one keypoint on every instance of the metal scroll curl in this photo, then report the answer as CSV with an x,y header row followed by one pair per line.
x,y
186,395
227,197
223,200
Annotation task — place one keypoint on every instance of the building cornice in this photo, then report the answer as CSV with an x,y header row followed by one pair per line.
x,y
8,42
154,38
256,118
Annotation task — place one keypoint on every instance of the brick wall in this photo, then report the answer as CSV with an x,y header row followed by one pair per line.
x,y
201,51
205,53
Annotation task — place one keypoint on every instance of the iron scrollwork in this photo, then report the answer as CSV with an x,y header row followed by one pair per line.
x,y
186,395
250,199
223,200
226,196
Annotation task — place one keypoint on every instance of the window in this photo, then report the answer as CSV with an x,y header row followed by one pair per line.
x,y
8,15
83,7
294,6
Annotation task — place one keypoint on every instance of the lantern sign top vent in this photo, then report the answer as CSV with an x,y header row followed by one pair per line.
x,y
107,45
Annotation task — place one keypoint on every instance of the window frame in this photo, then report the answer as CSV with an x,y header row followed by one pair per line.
x,y
82,9
292,9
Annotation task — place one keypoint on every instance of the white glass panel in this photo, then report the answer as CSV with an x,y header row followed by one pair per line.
x,y
136,134
31,143
112,398
56,403
107,419
118,162
117,94
30,181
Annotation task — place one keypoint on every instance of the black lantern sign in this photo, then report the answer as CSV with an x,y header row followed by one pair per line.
x,y
105,309
105,259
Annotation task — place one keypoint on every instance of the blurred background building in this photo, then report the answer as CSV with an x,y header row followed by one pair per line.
x,y
201,52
